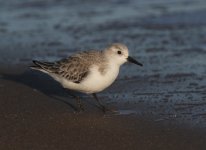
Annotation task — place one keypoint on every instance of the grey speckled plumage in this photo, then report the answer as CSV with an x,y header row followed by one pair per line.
x,y
74,68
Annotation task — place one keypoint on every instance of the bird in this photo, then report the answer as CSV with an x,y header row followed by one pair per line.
x,y
88,72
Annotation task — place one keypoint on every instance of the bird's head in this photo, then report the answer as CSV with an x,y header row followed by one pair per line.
x,y
119,54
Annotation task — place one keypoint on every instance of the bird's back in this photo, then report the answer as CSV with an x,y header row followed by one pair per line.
x,y
74,68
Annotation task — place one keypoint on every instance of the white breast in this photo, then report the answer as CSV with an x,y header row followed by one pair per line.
x,y
96,82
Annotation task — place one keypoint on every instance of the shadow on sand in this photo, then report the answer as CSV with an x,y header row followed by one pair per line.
x,y
45,84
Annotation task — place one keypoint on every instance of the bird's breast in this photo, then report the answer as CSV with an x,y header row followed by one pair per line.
x,y
96,81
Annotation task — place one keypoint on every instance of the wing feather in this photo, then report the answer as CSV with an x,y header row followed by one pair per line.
x,y
74,68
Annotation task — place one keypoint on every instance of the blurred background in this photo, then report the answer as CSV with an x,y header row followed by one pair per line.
x,y
167,36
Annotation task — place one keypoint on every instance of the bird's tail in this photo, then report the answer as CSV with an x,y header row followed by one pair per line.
x,y
42,66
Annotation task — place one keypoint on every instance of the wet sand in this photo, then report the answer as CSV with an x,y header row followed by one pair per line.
x,y
31,119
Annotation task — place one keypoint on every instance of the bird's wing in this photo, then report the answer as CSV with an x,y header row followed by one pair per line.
x,y
73,69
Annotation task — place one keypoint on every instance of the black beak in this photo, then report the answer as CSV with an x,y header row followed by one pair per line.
x,y
132,60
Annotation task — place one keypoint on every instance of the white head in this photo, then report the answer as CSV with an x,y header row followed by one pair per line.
x,y
119,54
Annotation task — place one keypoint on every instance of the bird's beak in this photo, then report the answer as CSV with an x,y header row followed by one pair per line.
x,y
132,60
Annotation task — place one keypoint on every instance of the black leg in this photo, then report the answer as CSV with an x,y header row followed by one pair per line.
x,y
98,101
79,102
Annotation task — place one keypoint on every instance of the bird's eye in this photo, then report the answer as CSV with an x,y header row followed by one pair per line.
x,y
119,52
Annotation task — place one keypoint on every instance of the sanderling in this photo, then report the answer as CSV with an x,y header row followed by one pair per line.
x,y
88,72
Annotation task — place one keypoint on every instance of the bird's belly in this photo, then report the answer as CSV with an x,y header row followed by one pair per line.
x,y
96,82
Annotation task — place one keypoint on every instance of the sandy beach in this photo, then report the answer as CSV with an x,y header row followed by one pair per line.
x,y
37,113
33,120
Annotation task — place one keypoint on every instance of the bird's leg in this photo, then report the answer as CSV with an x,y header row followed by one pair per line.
x,y
79,103
99,102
